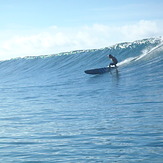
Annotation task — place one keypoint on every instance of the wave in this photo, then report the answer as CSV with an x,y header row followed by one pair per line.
x,y
137,53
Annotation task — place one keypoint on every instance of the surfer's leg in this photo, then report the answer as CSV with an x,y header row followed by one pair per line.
x,y
111,64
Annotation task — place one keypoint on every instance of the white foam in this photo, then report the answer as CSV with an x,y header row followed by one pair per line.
x,y
148,52
126,61
145,53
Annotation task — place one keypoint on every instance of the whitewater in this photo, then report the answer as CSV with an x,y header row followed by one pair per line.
x,y
51,111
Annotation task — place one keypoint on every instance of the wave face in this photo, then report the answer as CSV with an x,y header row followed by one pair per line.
x,y
52,111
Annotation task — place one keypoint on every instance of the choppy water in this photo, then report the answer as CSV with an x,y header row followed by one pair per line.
x,y
52,112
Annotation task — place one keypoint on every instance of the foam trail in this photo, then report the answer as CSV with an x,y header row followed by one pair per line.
x,y
146,52
126,61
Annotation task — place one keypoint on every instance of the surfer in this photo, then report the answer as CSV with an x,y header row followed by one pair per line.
x,y
114,60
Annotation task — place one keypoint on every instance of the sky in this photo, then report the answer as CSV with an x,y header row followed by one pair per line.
x,y
42,27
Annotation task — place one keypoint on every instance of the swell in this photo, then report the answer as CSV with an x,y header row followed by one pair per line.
x,y
139,53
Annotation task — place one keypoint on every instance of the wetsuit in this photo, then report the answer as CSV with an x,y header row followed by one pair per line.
x,y
115,61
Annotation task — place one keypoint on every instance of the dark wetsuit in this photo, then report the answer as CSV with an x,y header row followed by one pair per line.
x,y
115,61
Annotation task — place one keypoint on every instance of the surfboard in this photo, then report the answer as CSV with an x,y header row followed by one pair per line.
x,y
99,70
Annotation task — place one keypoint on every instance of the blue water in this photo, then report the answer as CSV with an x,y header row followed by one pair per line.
x,y
51,111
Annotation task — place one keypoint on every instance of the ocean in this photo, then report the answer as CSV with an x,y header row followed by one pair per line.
x,y
51,111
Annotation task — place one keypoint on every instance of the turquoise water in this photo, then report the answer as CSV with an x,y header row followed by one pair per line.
x,y
51,111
